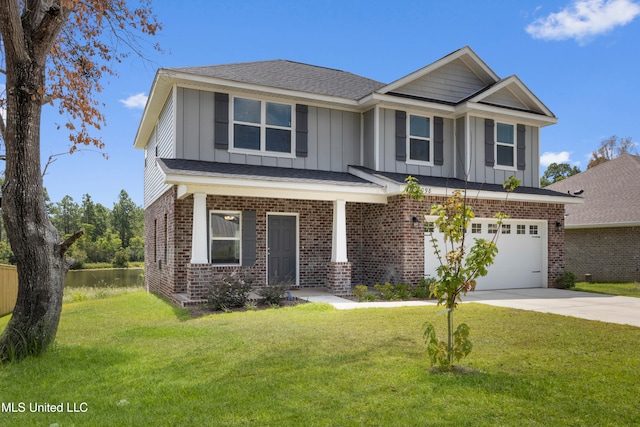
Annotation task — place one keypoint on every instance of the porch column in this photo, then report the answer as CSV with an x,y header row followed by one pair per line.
x,y
199,230
339,269
339,240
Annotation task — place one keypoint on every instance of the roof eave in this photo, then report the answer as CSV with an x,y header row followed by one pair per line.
x,y
536,119
160,89
603,225
256,186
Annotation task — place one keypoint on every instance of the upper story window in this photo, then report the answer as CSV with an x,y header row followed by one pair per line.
x,y
262,126
505,145
420,147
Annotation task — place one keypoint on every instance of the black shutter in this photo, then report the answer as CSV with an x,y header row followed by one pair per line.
x,y
521,153
302,130
401,136
248,238
489,137
221,121
438,141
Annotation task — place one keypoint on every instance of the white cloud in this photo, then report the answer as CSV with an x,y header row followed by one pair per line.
x,y
584,19
548,157
139,100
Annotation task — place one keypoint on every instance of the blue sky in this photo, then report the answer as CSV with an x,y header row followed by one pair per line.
x,y
579,57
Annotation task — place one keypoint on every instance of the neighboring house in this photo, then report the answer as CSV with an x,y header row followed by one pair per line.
x,y
602,236
288,171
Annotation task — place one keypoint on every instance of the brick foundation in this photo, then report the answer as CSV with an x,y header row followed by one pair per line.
x,y
339,278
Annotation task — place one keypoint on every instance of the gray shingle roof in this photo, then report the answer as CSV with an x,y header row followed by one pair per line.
x,y
458,184
611,193
204,168
291,75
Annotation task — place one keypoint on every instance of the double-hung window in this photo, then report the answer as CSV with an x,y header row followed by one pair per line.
x,y
226,237
505,145
262,126
420,147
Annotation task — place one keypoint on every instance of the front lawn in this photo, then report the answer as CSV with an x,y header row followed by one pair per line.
x,y
136,360
622,289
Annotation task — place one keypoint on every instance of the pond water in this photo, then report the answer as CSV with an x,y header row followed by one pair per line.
x,y
117,277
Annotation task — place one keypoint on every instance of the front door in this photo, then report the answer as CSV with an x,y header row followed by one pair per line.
x,y
282,253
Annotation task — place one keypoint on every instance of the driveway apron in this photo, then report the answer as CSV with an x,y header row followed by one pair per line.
x,y
584,305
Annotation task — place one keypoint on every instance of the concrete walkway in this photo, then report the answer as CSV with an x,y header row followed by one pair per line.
x,y
584,305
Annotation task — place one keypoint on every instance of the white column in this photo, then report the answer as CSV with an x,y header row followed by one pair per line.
x,y
199,230
339,241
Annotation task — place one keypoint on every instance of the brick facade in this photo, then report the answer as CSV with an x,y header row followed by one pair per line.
x,y
608,254
383,241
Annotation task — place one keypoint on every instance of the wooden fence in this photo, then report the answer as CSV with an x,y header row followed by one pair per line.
x,y
8,288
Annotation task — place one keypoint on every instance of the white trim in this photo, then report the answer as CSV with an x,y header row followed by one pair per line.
x,y
174,101
339,232
409,160
263,126
467,149
297,216
376,137
257,187
199,229
513,146
610,225
210,237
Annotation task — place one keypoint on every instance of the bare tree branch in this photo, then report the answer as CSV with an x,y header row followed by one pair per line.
x,y
53,157
64,246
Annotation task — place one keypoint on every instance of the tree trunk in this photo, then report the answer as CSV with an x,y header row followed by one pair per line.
x,y
35,242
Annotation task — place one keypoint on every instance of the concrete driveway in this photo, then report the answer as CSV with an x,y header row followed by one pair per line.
x,y
584,305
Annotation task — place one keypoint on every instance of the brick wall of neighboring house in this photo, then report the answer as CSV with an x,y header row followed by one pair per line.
x,y
608,254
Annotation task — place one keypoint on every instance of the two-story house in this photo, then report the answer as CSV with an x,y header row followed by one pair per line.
x,y
288,171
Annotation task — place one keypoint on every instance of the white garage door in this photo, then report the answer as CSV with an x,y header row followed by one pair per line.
x,y
522,253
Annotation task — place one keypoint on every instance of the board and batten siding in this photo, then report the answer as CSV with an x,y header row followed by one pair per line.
x,y
160,145
368,140
333,137
387,149
451,83
479,172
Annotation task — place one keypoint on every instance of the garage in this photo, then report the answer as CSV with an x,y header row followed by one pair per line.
x,y
522,253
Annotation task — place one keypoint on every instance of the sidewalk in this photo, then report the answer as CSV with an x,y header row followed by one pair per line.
x,y
584,305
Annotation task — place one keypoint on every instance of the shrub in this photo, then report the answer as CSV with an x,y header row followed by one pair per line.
x,y
402,291
566,281
362,293
387,291
275,292
230,292
423,289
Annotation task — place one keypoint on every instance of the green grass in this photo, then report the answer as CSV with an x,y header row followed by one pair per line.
x,y
136,360
108,265
622,289
83,293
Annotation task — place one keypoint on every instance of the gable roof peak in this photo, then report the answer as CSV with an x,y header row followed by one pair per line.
x,y
469,58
